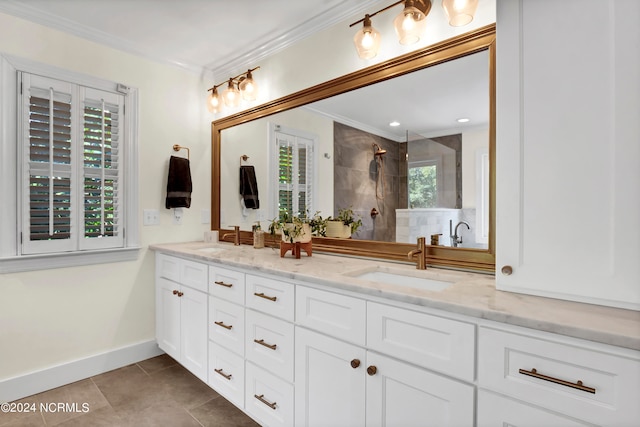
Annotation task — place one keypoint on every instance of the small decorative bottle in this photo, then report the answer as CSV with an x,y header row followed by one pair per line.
x,y
258,236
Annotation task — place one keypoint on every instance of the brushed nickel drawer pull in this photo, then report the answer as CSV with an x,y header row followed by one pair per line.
x,y
223,325
262,295
221,372
221,283
271,346
577,385
266,402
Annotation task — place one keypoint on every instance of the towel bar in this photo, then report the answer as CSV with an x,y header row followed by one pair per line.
x,y
177,147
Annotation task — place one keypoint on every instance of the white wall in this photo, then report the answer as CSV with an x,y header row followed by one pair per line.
x,y
472,141
50,317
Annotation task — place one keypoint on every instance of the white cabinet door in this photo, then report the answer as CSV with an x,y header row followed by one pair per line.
x,y
193,329
399,394
330,381
168,317
567,152
495,410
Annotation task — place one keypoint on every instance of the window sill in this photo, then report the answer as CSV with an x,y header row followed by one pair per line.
x,y
62,260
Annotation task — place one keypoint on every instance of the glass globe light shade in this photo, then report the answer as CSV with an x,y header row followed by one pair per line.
x,y
367,40
410,25
460,12
231,95
248,88
214,103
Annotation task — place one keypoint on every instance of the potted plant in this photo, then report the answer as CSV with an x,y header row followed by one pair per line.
x,y
343,225
292,228
318,225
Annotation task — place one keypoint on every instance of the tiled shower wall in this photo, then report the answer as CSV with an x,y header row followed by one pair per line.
x,y
355,172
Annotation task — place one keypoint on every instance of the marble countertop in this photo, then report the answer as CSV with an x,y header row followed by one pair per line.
x,y
469,294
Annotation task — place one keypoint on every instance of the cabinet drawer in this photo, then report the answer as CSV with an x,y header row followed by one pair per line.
x,y
337,315
269,343
268,399
443,345
168,267
612,381
495,410
226,324
226,374
226,284
194,274
270,296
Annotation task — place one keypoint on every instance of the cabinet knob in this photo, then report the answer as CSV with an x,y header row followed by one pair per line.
x,y
175,292
506,270
355,363
371,370
180,294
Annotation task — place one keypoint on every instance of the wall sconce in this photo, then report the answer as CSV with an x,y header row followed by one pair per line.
x,y
410,23
242,86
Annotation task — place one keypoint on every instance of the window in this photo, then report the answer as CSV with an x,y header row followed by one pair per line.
x,y
73,183
293,159
423,184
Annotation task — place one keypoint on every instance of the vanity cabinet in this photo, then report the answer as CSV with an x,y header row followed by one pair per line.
x,y
346,383
181,312
567,378
567,152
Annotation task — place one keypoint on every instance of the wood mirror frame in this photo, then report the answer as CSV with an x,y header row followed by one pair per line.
x,y
465,44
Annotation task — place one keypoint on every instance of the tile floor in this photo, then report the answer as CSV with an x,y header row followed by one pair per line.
x,y
154,392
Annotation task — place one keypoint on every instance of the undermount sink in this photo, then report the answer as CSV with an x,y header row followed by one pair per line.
x,y
401,278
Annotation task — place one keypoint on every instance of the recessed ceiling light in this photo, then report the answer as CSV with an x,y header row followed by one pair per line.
x,y
463,120
394,123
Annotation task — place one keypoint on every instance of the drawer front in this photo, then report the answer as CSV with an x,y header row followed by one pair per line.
x,y
443,345
270,296
226,284
337,315
226,324
269,343
495,410
610,383
194,274
168,267
226,374
268,398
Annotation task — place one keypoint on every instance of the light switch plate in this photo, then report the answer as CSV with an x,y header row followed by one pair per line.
x,y
150,217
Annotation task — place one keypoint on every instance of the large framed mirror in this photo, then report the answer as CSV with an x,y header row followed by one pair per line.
x,y
429,176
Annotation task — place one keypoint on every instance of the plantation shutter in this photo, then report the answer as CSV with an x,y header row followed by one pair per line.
x,y
295,174
72,167
48,194
101,169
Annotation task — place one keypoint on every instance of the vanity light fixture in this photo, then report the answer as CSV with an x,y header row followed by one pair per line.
x,y
242,86
410,24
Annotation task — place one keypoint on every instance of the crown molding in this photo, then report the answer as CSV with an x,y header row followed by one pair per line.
x,y
244,59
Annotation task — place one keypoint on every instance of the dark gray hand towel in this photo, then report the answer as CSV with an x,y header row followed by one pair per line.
x,y
249,187
178,183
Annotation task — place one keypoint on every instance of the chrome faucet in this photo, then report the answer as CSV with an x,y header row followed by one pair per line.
x,y
455,238
235,234
421,251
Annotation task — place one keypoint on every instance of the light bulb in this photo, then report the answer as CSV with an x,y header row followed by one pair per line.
x,y
231,95
367,40
460,12
408,22
248,88
214,104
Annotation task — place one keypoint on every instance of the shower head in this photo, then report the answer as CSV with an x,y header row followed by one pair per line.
x,y
378,151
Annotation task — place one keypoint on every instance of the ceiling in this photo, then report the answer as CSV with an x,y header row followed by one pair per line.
x,y
214,35
193,34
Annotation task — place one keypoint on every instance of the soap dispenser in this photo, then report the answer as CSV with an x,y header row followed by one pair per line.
x,y
258,236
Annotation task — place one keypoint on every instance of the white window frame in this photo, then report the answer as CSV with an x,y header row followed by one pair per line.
x,y
434,161
273,169
11,257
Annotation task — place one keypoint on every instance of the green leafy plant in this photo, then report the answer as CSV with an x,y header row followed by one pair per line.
x,y
318,224
291,227
348,217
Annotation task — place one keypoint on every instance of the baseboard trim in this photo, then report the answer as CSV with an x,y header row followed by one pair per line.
x,y
36,382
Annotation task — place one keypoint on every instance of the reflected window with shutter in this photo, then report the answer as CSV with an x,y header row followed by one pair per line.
x,y
293,151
